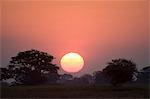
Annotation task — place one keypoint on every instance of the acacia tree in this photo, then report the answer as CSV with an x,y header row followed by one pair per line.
x,y
119,71
30,67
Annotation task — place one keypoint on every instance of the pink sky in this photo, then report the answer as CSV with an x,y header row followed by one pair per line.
x,y
97,30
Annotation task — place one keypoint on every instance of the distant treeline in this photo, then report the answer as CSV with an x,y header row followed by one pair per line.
x,y
33,67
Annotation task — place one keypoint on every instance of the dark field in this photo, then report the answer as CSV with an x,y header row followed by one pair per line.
x,y
59,91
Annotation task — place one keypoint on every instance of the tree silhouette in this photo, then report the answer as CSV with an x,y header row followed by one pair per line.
x,y
120,71
144,75
86,79
99,78
66,77
4,72
30,67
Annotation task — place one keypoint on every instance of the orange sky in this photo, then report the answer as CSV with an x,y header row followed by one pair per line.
x,y
97,30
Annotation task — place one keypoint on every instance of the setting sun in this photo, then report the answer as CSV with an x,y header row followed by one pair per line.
x,y
72,62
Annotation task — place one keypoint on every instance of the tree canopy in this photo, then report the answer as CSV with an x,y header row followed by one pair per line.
x,y
119,71
30,67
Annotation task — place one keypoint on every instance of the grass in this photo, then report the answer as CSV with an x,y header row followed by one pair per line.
x,y
59,91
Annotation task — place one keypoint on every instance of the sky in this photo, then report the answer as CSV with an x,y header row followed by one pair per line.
x,y
98,30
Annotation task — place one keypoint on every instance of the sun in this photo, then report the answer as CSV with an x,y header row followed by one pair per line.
x,y
72,62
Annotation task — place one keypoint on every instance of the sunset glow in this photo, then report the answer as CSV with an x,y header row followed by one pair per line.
x,y
99,30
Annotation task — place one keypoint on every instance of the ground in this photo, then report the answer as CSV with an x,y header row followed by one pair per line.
x,y
59,91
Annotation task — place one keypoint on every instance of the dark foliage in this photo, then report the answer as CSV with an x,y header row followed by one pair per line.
x,y
86,79
144,75
66,77
120,71
99,78
30,67
5,74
